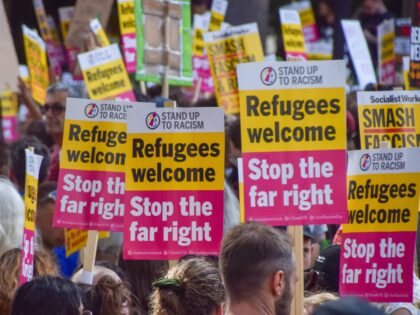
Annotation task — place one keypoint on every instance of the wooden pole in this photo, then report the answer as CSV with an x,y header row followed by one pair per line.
x,y
296,232
90,256
166,35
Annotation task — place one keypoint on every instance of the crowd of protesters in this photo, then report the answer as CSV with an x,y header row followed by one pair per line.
x,y
254,274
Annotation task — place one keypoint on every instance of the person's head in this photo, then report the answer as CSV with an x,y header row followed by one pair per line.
x,y
51,236
327,267
55,107
141,274
17,160
257,262
194,286
44,264
312,302
47,295
372,7
12,211
108,296
38,129
347,306
98,273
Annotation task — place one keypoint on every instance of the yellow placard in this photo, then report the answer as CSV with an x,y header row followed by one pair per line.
x,y
387,52
94,146
99,32
382,202
107,80
9,103
76,239
393,123
307,16
198,42
166,173
224,55
293,39
42,18
216,21
126,17
285,122
31,192
36,59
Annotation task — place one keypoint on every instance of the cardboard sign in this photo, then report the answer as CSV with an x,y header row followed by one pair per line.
x,y
306,14
174,183
152,52
33,164
217,14
76,239
105,75
36,58
406,73
226,49
389,116
9,111
359,52
8,60
127,20
293,40
293,141
377,248
84,12
100,35
66,15
386,52
90,192
24,75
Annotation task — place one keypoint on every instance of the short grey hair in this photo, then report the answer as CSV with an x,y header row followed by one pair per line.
x,y
76,91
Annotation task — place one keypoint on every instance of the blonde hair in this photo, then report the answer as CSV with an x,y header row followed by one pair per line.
x,y
193,286
312,302
12,211
44,264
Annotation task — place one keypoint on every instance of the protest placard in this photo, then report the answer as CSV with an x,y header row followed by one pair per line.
x,y
32,164
389,116
415,45
226,49
90,192
174,183
65,14
99,32
307,18
8,60
386,52
105,74
24,75
84,12
217,14
36,58
377,247
76,239
359,52
9,111
201,67
291,30
402,36
164,51
127,20
293,141
53,51
406,72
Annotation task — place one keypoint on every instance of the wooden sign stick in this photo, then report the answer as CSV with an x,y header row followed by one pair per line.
x,y
296,232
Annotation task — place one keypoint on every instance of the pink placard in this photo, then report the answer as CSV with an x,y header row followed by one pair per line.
x,y
387,72
90,200
171,224
126,96
54,57
9,126
295,188
201,69
378,266
27,257
129,46
310,32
